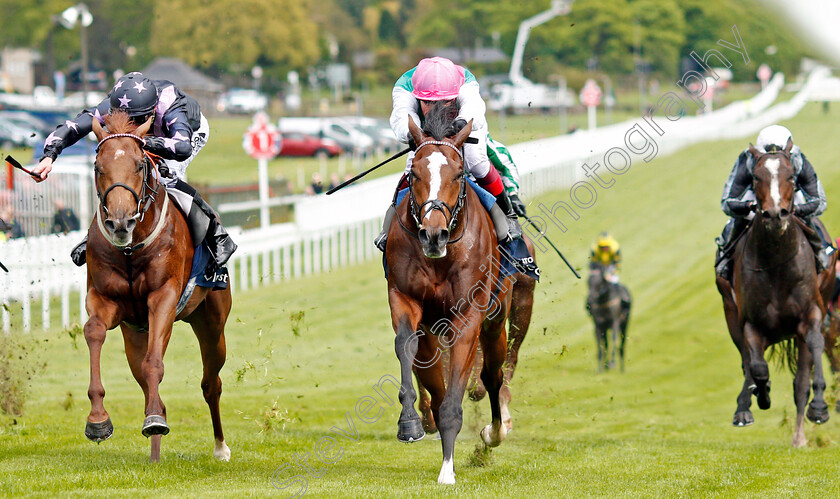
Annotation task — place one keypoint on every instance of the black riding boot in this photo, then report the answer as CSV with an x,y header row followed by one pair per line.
x,y
726,246
504,218
823,249
203,222
382,238
79,253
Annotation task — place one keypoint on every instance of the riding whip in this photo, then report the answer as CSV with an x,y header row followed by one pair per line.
x,y
12,161
357,177
470,140
552,245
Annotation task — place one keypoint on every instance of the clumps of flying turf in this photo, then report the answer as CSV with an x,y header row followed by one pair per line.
x,y
18,364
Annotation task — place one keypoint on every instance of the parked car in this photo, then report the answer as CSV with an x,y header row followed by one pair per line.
x,y
14,135
241,101
348,136
301,144
27,120
378,129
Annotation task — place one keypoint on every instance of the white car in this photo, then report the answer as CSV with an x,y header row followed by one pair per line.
x,y
242,101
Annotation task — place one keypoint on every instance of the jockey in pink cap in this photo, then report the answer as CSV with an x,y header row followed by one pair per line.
x,y
439,79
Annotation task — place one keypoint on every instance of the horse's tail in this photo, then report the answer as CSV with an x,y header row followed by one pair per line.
x,y
784,354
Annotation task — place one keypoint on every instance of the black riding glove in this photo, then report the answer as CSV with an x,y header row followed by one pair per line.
x,y
518,205
411,144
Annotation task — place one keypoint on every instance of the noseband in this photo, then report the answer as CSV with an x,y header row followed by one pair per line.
x,y
449,213
147,194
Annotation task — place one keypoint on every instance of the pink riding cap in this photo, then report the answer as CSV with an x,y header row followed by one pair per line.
x,y
437,78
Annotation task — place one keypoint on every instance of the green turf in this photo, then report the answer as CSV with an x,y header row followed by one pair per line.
x,y
315,346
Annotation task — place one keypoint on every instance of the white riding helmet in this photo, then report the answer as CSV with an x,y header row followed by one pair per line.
x,y
773,135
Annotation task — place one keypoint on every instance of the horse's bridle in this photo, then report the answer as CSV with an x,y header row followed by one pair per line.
x,y
449,213
147,194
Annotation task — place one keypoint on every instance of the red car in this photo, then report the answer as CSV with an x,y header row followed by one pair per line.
x,y
299,144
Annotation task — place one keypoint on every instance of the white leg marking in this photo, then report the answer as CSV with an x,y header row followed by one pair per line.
x,y
436,161
221,451
447,472
773,166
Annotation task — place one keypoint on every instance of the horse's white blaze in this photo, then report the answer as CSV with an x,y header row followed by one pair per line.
x,y
447,472
119,153
221,451
436,162
773,166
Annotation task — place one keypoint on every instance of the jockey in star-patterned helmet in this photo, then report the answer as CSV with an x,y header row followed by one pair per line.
x,y
178,132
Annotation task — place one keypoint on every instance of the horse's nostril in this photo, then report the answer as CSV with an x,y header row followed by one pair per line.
x,y
131,224
423,235
784,213
765,214
444,236
110,225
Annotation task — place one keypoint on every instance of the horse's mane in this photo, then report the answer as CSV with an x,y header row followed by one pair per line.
x,y
439,120
119,122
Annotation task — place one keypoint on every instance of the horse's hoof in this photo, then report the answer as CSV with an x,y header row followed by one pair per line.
x,y
155,425
742,418
99,432
818,415
477,392
762,396
491,440
410,431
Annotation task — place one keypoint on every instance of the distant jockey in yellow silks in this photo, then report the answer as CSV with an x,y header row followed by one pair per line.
x,y
606,253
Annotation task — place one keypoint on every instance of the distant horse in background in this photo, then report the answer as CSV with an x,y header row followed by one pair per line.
x,y
139,257
609,305
777,299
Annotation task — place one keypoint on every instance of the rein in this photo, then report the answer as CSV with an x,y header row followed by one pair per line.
x,y
419,212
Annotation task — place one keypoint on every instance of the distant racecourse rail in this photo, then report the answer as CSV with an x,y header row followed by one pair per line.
x,y
335,231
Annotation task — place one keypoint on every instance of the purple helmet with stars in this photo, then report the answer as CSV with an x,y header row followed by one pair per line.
x,y
135,94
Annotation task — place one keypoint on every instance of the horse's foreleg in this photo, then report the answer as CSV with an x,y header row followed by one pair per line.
x,y
801,390
616,331
405,317
428,367
601,343
519,320
161,305
757,368
817,409
104,315
462,358
494,345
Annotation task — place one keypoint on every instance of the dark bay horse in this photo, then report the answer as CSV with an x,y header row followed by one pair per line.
x,y
444,290
609,313
139,256
777,297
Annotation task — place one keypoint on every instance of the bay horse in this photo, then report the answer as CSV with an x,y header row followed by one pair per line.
x,y
139,257
609,313
444,289
777,297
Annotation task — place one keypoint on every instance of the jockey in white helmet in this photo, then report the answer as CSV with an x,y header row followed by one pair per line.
x,y
738,199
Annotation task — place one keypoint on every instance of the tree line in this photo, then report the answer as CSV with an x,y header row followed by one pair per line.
x,y
229,37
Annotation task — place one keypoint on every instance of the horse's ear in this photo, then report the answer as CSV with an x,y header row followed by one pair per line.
x,y
789,146
461,136
98,130
414,131
144,128
755,152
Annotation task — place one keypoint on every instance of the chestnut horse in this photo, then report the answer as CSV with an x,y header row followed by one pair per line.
x,y
139,255
444,289
777,297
